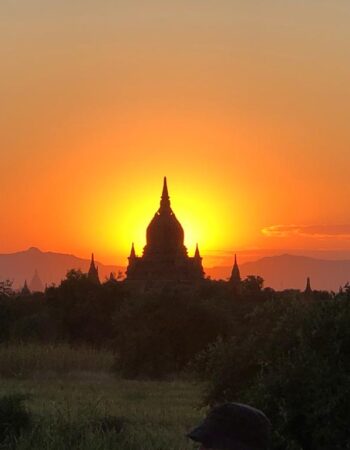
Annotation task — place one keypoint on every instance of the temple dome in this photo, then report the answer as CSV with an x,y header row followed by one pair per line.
x,y
165,233
164,257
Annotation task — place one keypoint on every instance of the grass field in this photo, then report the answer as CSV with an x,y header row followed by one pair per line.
x,y
85,407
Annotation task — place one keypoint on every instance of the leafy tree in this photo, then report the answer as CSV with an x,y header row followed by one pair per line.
x,y
83,311
158,335
6,290
295,365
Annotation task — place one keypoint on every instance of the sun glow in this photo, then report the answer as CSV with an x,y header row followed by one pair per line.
x,y
199,215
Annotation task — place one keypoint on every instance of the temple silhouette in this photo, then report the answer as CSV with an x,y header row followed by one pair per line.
x,y
235,279
36,285
93,272
165,257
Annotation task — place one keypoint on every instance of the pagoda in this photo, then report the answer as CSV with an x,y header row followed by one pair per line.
x,y
165,257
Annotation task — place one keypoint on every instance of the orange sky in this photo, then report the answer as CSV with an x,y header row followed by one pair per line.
x,y
244,105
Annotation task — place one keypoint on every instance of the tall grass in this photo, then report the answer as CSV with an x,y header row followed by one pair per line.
x,y
75,404
110,414
28,360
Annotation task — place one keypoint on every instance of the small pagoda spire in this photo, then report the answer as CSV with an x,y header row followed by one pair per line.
x,y
36,285
93,271
25,290
235,280
197,255
308,290
165,199
235,275
132,252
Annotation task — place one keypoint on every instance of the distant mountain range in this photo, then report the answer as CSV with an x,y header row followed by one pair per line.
x,y
290,271
279,272
51,267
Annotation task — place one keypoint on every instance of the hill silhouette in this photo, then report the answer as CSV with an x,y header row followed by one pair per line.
x,y
279,272
290,271
51,267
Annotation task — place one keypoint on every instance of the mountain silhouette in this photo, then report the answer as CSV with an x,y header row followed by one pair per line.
x,y
279,272
51,267
291,271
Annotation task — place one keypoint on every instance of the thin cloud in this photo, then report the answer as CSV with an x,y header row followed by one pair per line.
x,y
311,231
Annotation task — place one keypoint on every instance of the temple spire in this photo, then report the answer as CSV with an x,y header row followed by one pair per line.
x,y
93,271
197,254
25,290
165,199
308,289
36,284
132,252
235,279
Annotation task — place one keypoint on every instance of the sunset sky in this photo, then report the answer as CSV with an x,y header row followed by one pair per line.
x,y
243,105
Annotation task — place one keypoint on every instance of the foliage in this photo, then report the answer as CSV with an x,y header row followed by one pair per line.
x,y
6,290
295,365
159,335
154,334
39,360
83,311
14,419
107,414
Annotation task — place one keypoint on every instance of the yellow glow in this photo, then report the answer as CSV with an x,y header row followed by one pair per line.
x,y
201,216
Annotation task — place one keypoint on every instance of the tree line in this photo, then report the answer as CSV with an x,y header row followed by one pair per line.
x,y
286,352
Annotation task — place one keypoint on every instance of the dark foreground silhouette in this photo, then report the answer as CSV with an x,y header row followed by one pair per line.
x,y
233,426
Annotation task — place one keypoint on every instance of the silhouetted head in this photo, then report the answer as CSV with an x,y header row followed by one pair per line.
x,y
233,426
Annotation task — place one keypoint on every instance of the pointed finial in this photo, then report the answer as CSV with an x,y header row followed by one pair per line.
x,y
165,199
132,253
165,188
197,254
25,289
93,271
308,289
235,275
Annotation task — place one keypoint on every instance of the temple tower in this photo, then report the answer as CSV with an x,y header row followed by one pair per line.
x,y
93,271
164,256
235,279
36,285
25,289
308,290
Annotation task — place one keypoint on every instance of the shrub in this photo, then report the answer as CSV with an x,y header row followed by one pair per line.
x,y
295,365
14,418
158,336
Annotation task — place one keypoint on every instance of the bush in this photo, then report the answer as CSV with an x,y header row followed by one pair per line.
x,y
295,365
158,336
14,418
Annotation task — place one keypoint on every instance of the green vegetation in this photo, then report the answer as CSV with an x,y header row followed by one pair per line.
x,y
294,365
14,418
38,360
284,352
85,407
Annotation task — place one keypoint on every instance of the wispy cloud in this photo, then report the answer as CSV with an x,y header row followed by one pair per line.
x,y
311,231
